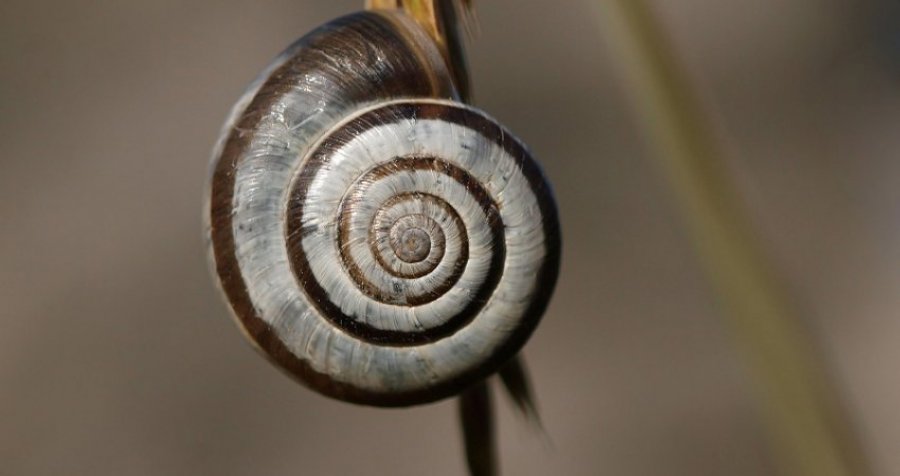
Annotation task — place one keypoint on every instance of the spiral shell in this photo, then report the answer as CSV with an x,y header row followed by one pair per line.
x,y
376,239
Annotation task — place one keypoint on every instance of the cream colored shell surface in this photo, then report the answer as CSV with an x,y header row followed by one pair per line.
x,y
377,240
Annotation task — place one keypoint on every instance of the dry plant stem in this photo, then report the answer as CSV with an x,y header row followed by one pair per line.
x,y
441,19
477,418
809,431
424,11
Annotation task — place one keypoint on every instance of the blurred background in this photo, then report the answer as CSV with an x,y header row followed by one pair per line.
x,y
117,354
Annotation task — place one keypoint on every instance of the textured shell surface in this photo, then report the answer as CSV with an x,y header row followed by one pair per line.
x,y
377,240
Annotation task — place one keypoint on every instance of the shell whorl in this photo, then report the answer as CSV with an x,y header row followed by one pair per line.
x,y
375,239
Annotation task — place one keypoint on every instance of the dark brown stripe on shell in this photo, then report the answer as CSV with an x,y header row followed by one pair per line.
x,y
464,255
469,183
319,297
371,289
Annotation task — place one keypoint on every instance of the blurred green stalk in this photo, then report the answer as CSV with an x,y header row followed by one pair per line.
x,y
809,430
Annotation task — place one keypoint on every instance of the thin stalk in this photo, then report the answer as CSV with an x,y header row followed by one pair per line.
x,y
443,20
809,431
476,416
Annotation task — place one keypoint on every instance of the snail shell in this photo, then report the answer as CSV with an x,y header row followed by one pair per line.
x,y
376,239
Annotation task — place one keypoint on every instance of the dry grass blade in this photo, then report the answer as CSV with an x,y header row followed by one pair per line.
x,y
808,427
514,376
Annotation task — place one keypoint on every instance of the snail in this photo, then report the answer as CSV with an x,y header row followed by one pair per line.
x,y
376,238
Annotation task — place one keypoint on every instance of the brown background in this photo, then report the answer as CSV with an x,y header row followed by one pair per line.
x,y
116,352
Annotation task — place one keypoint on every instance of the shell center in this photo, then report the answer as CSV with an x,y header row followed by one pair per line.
x,y
412,245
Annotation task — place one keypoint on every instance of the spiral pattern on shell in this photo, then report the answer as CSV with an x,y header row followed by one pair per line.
x,y
376,239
